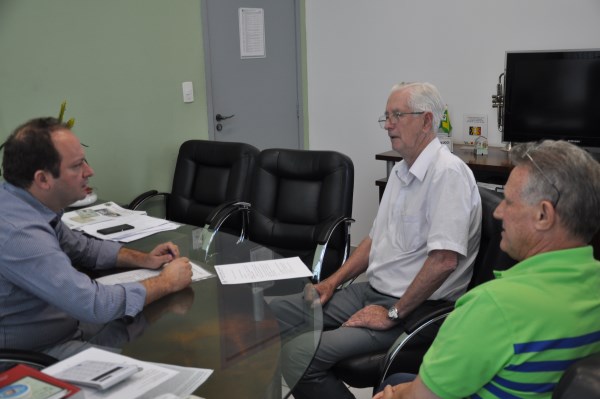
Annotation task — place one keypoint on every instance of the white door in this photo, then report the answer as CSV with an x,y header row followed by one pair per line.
x,y
253,89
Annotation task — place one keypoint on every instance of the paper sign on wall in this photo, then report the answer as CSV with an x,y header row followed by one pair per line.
x,y
252,32
474,126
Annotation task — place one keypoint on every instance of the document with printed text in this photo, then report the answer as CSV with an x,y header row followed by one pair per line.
x,y
198,273
253,272
92,220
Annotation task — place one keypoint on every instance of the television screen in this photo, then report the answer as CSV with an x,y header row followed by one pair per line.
x,y
553,95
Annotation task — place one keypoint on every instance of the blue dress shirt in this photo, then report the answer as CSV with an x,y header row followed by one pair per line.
x,y
42,295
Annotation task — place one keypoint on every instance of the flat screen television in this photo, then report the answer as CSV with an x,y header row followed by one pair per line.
x,y
553,95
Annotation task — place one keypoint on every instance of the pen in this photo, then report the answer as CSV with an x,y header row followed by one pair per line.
x,y
171,253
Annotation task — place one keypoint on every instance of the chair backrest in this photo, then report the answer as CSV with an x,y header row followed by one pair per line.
x,y
596,244
293,193
490,257
581,380
207,174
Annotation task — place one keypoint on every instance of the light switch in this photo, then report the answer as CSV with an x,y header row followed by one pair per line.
x,y
188,92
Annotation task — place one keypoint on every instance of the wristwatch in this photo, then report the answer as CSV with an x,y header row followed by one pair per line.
x,y
393,313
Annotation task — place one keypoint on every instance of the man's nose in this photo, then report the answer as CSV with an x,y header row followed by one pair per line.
x,y
88,171
498,212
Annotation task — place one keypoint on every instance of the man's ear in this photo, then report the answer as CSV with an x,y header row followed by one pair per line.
x,y
427,122
42,179
546,215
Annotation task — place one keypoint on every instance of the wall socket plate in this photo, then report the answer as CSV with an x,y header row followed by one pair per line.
x,y
188,92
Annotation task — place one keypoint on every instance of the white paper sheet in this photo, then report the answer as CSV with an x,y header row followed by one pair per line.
x,y
198,273
252,32
253,272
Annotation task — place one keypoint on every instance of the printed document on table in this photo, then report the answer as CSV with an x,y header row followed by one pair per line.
x,y
109,214
143,226
105,212
198,273
153,377
253,272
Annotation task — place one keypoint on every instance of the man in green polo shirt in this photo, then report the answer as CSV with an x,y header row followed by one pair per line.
x,y
514,337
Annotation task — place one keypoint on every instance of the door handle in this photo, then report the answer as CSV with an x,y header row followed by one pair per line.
x,y
220,117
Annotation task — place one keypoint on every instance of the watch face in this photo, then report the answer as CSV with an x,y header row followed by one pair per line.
x,y
393,313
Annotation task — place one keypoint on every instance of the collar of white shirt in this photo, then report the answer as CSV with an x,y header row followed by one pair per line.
x,y
419,168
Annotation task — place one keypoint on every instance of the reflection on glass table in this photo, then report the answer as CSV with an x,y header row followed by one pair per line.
x,y
227,328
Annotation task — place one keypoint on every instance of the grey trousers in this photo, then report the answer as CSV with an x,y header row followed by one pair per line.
x,y
337,343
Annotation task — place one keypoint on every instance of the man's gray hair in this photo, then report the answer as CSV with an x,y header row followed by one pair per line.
x,y
424,97
576,177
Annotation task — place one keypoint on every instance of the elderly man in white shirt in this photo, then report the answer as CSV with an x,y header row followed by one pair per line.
x,y
422,246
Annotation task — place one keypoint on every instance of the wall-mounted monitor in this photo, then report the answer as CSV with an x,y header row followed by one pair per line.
x,y
553,95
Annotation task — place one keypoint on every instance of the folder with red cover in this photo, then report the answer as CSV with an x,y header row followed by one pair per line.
x,y
23,381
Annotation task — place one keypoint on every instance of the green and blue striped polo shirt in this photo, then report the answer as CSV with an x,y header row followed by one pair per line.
x,y
513,337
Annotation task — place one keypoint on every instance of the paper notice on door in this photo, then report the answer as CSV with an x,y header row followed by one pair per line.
x,y
252,32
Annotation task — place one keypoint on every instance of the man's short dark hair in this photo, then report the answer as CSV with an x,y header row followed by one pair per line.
x,y
575,175
29,149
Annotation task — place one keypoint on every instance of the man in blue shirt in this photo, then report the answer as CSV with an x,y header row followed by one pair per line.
x,y
42,296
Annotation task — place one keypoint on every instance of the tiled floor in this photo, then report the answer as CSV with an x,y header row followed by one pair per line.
x,y
365,393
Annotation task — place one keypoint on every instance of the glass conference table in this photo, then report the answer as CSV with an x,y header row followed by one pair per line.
x,y
227,328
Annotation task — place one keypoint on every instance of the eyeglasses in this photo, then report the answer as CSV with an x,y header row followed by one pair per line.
x,y
545,178
395,116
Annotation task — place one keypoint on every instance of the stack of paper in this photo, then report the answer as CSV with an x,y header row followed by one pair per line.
x,y
109,214
153,380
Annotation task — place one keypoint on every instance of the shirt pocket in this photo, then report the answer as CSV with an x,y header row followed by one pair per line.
x,y
412,232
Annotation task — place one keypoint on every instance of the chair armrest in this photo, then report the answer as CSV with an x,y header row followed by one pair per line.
x,y
34,359
327,228
580,380
415,323
324,235
219,215
143,197
418,318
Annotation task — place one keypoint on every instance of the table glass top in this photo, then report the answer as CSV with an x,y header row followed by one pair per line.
x,y
227,328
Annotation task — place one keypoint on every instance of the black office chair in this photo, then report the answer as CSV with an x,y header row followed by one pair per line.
x,y
580,381
301,206
595,243
421,326
207,174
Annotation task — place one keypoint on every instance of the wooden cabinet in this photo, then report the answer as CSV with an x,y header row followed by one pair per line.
x,y
492,168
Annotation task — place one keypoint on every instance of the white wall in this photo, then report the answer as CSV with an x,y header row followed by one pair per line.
x,y
356,50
